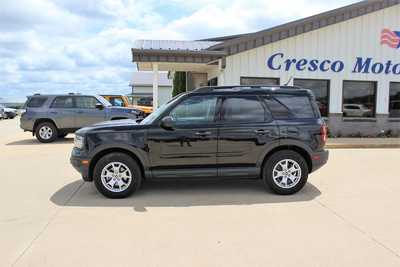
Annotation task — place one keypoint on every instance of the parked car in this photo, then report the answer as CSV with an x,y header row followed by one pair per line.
x,y
356,110
1,113
270,133
123,101
52,116
8,113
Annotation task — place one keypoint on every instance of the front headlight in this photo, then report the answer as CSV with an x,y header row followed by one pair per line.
x,y
79,141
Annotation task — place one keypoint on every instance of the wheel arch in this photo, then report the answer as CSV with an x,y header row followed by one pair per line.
x,y
293,147
41,120
106,151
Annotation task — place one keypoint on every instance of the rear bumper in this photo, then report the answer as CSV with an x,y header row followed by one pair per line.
x,y
26,124
319,159
81,164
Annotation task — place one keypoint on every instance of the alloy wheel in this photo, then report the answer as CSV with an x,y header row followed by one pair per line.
x,y
286,173
116,177
45,132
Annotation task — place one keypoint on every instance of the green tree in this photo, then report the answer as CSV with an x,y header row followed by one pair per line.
x,y
179,83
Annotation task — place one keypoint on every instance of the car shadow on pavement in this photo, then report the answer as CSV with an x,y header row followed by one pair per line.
x,y
181,194
33,141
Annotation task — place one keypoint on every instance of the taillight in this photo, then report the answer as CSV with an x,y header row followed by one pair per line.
x,y
324,133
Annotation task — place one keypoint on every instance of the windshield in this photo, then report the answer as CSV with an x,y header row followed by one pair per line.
x,y
153,116
103,101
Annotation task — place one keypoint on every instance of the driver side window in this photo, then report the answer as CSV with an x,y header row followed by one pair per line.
x,y
197,109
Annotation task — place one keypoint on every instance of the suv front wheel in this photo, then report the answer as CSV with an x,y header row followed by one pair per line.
x,y
285,172
46,132
117,175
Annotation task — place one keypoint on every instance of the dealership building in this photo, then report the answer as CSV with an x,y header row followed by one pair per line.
x,y
349,57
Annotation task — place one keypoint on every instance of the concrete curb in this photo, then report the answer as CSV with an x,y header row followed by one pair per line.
x,y
362,146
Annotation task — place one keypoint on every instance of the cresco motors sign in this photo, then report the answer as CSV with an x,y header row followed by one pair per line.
x,y
364,65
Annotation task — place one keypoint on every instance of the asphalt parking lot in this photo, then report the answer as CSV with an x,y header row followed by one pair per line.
x,y
347,215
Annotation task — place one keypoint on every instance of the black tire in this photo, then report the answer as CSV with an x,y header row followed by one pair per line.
x,y
132,165
54,132
272,161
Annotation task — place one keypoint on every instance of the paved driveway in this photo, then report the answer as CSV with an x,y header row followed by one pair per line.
x,y
347,215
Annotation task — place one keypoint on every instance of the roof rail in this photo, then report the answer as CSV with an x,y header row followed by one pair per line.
x,y
243,88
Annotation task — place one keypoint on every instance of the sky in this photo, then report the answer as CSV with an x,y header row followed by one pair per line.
x,y
61,46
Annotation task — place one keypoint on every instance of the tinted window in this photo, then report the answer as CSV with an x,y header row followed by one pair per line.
x,y
63,102
320,88
86,102
291,106
36,102
278,110
258,81
198,109
394,100
242,109
360,93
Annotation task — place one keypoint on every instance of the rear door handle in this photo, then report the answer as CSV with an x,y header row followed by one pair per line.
x,y
203,133
262,132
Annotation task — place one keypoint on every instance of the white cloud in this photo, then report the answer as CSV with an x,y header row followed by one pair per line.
x,y
64,45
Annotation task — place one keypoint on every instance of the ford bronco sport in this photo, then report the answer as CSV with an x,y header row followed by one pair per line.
x,y
271,133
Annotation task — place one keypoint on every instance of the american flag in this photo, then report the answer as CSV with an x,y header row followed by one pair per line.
x,y
390,38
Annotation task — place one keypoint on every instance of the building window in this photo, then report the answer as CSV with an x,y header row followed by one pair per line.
x,y
394,100
258,81
320,88
359,99
213,82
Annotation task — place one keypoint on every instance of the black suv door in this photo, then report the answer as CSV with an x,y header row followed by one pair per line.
x,y
246,128
190,148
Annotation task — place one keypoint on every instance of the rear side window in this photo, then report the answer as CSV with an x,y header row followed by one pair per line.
x,y
243,110
63,102
86,102
36,102
290,106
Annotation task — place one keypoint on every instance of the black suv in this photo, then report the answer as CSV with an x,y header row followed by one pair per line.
x,y
272,133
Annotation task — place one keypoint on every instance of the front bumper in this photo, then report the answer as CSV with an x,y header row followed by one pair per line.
x,y
81,163
319,159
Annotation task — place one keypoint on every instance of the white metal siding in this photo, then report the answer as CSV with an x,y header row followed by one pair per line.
x,y
358,37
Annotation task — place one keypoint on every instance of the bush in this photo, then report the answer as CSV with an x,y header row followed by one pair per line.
x,y
179,83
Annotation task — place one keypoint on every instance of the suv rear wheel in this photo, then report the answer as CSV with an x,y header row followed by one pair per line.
x,y
285,172
117,175
46,132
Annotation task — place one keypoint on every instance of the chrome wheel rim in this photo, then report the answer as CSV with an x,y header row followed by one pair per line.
x,y
116,177
45,132
286,173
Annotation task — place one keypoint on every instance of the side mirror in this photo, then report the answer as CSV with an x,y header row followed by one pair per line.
x,y
167,123
99,106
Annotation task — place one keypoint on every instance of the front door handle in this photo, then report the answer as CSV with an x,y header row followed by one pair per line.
x,y
203,134
262,132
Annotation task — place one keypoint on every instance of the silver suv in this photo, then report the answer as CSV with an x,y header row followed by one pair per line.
x,y
50,117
